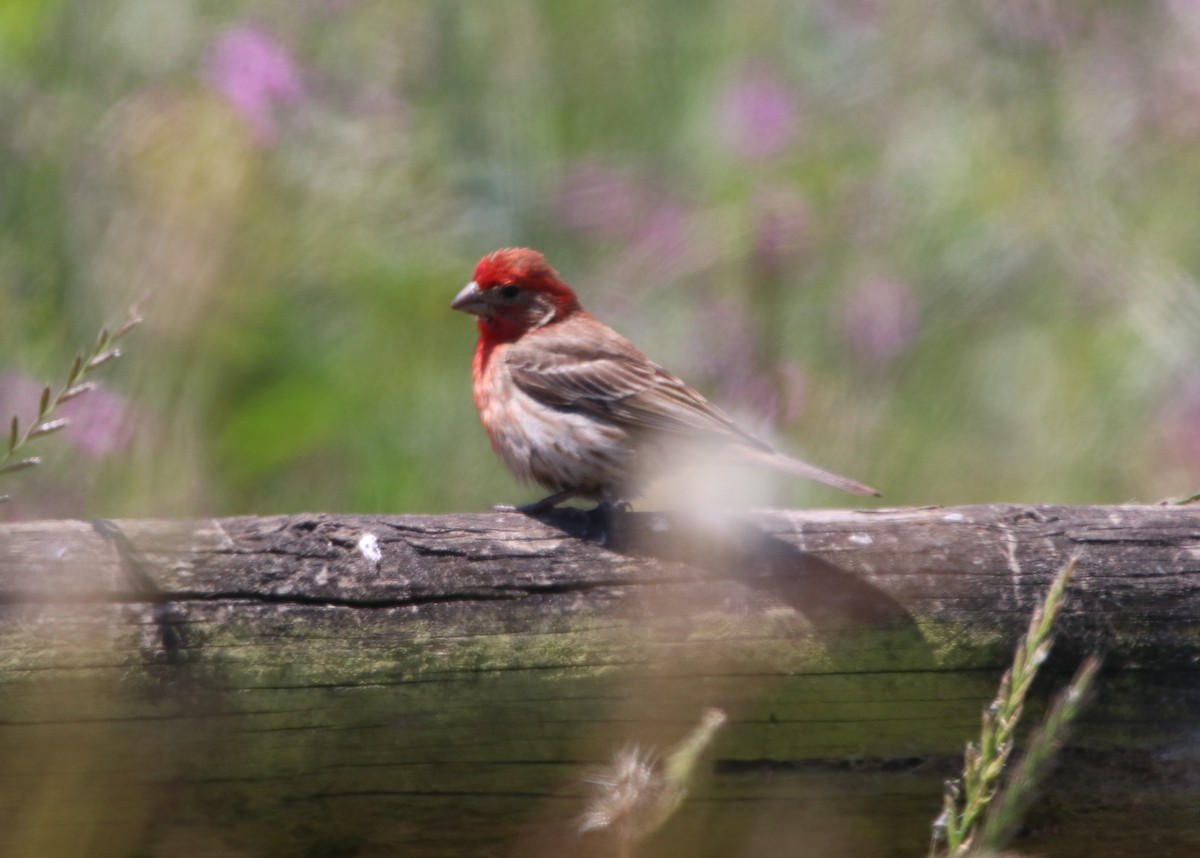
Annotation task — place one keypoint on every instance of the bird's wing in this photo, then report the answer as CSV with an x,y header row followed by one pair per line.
x,y
597,371
612,378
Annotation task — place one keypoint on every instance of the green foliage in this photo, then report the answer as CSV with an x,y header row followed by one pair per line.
x,y
947,250
103,352
977,818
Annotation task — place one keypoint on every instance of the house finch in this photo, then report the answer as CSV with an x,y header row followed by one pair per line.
x,y
574,406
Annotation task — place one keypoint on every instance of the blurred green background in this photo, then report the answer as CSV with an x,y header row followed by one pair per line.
x,y
947,248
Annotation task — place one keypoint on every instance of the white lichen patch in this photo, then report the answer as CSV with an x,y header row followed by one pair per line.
x,y
368,547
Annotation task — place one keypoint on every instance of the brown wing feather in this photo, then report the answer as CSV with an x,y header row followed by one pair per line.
x,y
614,379
610,377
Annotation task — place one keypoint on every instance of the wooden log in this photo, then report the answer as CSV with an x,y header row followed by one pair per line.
x,y
438,685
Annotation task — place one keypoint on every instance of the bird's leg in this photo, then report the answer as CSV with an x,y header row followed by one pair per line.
x,y
545,504
600,517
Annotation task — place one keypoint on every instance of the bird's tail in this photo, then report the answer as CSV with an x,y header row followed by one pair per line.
x,y
789,465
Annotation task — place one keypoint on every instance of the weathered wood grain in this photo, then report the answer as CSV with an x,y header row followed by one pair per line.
x,y
276,686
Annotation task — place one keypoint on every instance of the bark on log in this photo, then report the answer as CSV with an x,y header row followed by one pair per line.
x,y
437,685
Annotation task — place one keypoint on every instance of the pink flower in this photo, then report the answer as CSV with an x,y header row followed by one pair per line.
x,y
756,116
880,318
730,358
614,206
100,423
1044,23
663,232
99,420
254,74
783,226
593,198
1179,423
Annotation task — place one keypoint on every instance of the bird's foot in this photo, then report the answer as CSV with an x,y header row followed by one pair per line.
x,y
601,517
597,521
608,507
547,503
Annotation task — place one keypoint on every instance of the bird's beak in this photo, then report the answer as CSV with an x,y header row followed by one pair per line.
x,y
471,300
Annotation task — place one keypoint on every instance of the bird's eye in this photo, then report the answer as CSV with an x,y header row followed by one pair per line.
x,y
509,292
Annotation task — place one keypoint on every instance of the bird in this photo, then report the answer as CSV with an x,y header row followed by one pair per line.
x,y
572,405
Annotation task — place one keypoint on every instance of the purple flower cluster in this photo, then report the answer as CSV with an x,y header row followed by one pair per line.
x,y
255,74
1179,424
100,423
613,205
880,318
757,117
